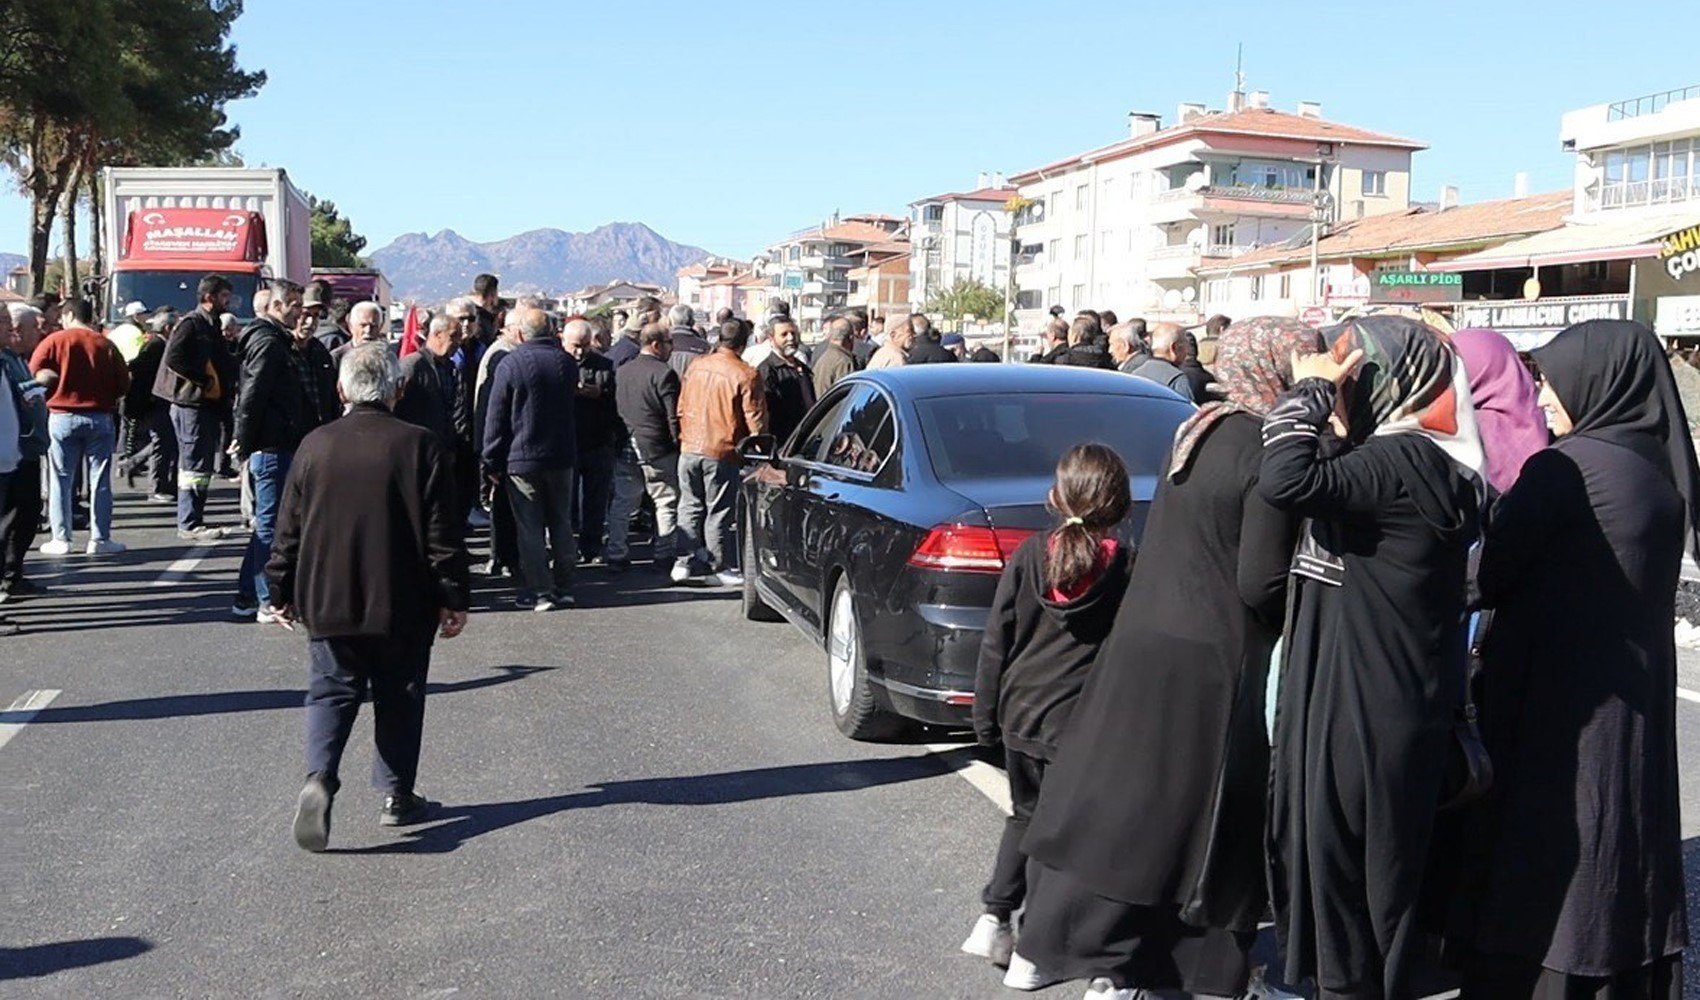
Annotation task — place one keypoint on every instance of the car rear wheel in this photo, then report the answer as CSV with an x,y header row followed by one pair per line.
x,y
849,692
755,609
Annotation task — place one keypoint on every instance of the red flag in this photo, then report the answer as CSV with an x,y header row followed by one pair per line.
x,y
410,332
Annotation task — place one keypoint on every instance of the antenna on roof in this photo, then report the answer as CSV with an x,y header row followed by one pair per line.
x,y
1236,100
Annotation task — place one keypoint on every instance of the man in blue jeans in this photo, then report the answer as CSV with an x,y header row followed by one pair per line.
x,y
86,378
274,411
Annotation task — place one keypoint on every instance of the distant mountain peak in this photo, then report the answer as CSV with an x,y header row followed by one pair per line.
x,y
433,268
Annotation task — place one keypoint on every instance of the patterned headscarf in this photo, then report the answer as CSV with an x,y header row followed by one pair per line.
x,y
1254,366
1409,382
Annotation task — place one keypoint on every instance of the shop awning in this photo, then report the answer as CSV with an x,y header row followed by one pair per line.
x,y
1617,239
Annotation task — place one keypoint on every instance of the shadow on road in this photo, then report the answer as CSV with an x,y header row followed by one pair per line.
x,y
723,788
222,702
46,959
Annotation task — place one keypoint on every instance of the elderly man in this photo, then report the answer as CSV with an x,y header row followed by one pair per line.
x,y
369,556
647,396
1163,367
531,445
428,382
1053,342
597,418
925,348
86,379
1083,345
190,381
20,500
365,325
688,344
836,357
469,350
720,403
504,550
789,384
894,353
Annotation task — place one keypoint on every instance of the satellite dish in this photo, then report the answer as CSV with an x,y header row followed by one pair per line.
x,y
1189,293
1172,299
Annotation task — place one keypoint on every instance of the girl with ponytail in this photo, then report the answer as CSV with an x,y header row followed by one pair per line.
x,y
1055,603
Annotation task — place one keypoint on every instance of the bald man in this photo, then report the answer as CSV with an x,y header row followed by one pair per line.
x,y
1167,353
599,435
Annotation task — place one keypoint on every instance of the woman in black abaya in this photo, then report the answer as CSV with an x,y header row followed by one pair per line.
x,y
1579,888
1375,645
1147,842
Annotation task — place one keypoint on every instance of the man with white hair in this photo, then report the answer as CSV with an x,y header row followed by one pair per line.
x,y
365,325
1164,366
369,557
688,344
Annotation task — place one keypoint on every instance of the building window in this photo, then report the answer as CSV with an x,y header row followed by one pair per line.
x,y
1081,246
1222,234
1216,290
1648,175
1375,183
1079,296
1053,251
1081,194
1055,294
1286,285
1257,288
1104,240
1029,299
932,213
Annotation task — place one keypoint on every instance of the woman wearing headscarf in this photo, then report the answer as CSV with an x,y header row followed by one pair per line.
x,y
1374,648
1148,836
1507,412
1579,890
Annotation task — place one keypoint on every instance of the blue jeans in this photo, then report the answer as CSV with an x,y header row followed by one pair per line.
x,y
266,471
73,438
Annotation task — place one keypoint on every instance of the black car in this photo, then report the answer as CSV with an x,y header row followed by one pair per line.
x,y
881,526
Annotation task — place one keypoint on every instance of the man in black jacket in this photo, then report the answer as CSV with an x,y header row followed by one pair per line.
x,y
688,344
599,437
369,555
647,396
274,411
428,383
926,350
189,380
1055,343
789,384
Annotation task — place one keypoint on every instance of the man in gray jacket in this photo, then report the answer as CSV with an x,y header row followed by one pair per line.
x,y
1164,366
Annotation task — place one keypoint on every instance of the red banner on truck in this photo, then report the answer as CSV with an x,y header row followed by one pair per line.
x,y
206,234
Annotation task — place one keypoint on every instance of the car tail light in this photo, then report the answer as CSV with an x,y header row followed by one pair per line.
x,y
966,548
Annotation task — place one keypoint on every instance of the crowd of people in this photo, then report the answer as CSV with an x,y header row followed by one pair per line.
x,y
1394,664
1455,579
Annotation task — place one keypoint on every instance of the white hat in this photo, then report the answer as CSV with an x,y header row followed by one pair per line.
x,y
135,309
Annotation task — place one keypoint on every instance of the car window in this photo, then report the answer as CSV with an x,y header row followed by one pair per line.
x,y
1023,435
812,437
866,434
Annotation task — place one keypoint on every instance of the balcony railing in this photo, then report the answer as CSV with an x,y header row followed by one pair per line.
x,y
1634,194
1651,104
1181,251
1242,192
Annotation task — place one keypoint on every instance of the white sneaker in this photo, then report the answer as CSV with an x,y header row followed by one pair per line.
x,y
55,548
991,938
1024,975
680,572
267,616
1103,989
726,578
104,547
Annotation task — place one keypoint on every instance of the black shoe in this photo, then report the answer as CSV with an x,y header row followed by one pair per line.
x,y
23,587
313,813
405,810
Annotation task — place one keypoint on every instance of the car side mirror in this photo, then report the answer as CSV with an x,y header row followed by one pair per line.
x,y
758,448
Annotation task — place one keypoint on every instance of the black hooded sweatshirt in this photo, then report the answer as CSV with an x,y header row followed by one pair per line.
x,y
1036,652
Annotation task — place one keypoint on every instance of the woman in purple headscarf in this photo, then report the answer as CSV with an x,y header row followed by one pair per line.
x,y
1508,410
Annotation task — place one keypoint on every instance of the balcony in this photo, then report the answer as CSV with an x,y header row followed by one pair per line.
x,y
1639,194
825,287
1180,204
1178,260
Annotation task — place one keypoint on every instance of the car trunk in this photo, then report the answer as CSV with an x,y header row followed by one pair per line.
x,y
1011,503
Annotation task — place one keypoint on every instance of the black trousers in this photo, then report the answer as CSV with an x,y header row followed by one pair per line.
x,y
20,512
343,671
1007,890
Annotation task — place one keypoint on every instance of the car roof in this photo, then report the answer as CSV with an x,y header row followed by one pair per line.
x,y
966,379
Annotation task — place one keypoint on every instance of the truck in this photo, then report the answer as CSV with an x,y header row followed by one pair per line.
x,y
167,227
357,284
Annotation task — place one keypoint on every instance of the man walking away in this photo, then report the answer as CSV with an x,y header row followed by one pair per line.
x,y
688,344
20,500
188,380
836,357
86,379
720,403
530,444
369,556
274,412
925,349
789,384
1163,367
646,310
646,393
597,420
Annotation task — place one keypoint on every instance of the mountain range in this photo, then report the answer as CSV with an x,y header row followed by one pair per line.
x,y
434,268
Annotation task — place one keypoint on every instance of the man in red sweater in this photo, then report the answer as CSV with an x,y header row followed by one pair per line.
x,y
85,377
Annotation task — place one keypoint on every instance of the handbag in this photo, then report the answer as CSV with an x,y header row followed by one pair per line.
x,y
1469,770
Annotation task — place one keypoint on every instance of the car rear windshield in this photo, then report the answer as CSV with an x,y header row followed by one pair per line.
x,y
1023,435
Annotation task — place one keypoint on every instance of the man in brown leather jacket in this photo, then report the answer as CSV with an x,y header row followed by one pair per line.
x,y
721,402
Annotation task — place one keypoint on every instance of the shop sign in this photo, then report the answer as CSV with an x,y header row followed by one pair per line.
x,y
1677,316
1416,287
1314,316
1530,324
1679,253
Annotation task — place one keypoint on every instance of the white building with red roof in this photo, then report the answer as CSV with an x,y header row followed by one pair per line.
x,y
810,269
1124,226
960,236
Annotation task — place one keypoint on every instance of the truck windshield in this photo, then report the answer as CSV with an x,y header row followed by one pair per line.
x,y
176,289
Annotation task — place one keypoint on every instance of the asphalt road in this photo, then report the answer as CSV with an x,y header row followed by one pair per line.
x,y
642,797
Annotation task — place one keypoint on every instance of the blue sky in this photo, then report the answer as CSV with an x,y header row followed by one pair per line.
x,y
729,124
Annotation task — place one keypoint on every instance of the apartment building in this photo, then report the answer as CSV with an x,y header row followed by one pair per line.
x,y
960,236
1124,226
880,281
692,278
810,269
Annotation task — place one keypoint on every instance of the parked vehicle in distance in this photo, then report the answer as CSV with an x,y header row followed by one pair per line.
x,y
167,227
880,527
357,284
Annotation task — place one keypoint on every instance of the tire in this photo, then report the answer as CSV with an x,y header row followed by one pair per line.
x,y
755,609
850,696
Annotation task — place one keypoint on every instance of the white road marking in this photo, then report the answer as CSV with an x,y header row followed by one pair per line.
x,y
180,570
986,779
21,711
1688,695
